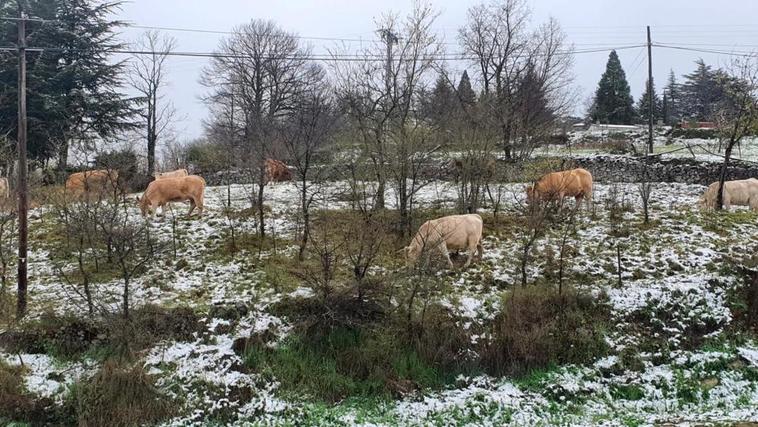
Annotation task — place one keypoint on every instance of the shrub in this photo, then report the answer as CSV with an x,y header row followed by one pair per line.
x,y
119,396
15,402
538,328
125,162
693,133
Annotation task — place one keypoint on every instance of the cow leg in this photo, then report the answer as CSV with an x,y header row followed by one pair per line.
x,y
192,208
200,206
479,250
443,249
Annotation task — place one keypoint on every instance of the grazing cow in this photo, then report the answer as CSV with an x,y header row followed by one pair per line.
x,y
277,171
173,174
446,233
741,192
576,183
162,191
4,188
100,180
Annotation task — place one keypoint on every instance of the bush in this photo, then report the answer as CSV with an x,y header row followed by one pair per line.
x,y
15,402
119,396
125,162
538,328
207,158
694,133
68,337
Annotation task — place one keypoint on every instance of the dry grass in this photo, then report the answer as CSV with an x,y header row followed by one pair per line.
x,y
120,396
538,328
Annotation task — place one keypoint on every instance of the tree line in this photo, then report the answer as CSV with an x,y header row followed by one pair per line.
x,y
702,95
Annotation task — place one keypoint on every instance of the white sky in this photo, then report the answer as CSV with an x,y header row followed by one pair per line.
x,y
703,24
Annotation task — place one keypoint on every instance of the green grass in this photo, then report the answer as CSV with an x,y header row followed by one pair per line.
x,y
345,363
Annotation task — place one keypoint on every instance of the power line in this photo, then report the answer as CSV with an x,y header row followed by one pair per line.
x,y
331,57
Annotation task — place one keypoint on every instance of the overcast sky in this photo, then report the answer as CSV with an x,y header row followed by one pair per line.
x,y
702,24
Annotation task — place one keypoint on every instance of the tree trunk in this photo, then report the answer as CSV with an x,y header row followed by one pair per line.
x,y
722,176
306,223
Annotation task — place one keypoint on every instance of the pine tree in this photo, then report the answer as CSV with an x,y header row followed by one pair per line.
x,y
441,103
671,96
643,109
73,93
613,102
701,92
466,94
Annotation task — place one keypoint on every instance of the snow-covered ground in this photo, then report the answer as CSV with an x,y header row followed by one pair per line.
x,y
672,282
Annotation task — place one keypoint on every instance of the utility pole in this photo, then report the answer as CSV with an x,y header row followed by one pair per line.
x,y
650,99
389,39
23,204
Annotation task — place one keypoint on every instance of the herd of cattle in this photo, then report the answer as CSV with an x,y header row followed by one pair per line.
x,y
454,232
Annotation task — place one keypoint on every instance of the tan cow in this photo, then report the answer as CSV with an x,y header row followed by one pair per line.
x,y
443,234
92,181
162,191
173,174
4,188
576,183
740,192
277,171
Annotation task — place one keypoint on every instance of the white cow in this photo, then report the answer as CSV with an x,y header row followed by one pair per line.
x,y
742,192
443,234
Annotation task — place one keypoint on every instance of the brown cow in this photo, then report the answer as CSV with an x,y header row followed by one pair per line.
x,y
162,191
576,183
277,171
446,233
100,180
172,174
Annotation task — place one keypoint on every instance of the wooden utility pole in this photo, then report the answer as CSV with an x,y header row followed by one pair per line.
x,y
650,99
23,203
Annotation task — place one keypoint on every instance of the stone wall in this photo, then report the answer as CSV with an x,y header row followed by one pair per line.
x,y
685,170
604,168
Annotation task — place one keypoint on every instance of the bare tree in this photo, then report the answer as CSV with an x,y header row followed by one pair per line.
x,y
254,86
306,134
381,97
525,74
738,114
147,76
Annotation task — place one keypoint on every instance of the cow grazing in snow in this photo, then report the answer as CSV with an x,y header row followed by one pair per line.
x,y
92,181
742,192
441,235
173,174
162,191
4,188
576,183
277,171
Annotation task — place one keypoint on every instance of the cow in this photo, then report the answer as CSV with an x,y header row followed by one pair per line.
x,y
162,191
92,181
277,171
4,188
173,174
740,192
443,234
576,183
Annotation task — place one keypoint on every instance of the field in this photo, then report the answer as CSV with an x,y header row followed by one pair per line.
x,y
676,343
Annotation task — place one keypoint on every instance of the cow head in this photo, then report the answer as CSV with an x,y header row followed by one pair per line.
x,y
530,194
144,205
411,254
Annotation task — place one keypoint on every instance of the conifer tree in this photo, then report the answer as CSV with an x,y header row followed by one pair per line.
x,y
643,109
613,103
73,86
466,93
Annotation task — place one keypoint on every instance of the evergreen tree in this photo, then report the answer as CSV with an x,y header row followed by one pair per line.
x,y
613,102
671,96
701,92
643,109
441,103
466,93
72,92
